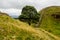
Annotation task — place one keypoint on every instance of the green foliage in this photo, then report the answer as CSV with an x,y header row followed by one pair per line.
x,y
29,14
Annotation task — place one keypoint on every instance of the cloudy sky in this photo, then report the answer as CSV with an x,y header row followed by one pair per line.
x,y
14,7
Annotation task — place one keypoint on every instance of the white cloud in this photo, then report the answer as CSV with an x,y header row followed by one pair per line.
x,y
14,6
12,12
20,3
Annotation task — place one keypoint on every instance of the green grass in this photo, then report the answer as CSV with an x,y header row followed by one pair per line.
x,y
48,22
11,29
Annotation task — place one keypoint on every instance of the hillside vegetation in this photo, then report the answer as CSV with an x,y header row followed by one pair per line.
x,y
11,29
51,19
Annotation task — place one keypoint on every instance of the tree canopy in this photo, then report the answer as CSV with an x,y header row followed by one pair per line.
x,y
29,14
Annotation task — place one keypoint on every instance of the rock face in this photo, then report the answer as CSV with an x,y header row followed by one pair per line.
x,y
56,15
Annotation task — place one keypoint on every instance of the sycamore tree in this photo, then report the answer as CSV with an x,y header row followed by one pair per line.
x,y
29,14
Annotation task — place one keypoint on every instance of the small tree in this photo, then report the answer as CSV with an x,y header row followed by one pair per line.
x,y
29,14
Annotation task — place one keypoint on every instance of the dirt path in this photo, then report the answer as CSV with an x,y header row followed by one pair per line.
x,y
47,33
50,34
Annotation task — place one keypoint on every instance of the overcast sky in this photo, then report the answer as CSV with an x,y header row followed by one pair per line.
x,y
14,7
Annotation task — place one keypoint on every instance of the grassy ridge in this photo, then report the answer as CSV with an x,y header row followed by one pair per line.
x,y
12,32
11,29
48,22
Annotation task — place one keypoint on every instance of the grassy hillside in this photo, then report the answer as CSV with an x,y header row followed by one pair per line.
x,y
50,22
11,29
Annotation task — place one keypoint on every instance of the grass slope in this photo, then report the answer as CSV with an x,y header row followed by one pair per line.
x,y
48,22
11,29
